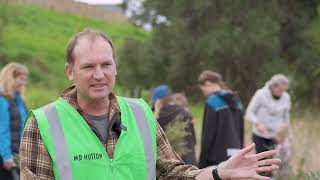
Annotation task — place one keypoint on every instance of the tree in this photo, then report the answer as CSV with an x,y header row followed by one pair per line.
x,y
227,36
133,67
296,33
246,41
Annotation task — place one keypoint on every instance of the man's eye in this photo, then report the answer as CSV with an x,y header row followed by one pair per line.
x,y
106,65
86,67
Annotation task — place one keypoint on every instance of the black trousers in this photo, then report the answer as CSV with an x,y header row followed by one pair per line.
x,y
4,174
263,144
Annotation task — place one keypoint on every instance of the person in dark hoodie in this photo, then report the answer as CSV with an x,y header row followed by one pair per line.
x,y
174,109
223,125
169,109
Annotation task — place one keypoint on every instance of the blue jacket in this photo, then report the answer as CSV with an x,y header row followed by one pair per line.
x,y
5,132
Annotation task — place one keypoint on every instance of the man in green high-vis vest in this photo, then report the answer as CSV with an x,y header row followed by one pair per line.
x,y
89,133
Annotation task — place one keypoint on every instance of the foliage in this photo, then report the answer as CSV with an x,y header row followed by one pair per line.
x,y
246,41
176,132
134,72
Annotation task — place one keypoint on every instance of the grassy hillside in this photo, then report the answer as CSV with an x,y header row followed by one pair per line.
x,y
37,37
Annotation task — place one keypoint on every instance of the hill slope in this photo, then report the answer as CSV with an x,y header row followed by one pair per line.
x,y
37,37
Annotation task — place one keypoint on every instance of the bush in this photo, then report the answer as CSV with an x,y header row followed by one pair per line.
x,y
176,132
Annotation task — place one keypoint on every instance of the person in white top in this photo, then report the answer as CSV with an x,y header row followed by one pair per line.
x,y
269,110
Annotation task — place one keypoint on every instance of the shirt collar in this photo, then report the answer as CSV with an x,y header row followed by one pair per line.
x,y
70,95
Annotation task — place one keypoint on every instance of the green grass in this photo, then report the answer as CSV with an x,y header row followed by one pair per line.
x,y
197,112
37,37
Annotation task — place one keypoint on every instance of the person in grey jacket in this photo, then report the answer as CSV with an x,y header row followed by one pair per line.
x,y
269,110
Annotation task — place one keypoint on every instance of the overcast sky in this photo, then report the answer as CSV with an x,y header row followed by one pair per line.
x,y
101,1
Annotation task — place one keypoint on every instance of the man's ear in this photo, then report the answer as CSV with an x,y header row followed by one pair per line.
x,y
69,71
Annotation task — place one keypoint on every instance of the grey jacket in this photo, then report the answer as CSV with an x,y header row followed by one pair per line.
x,y
269,111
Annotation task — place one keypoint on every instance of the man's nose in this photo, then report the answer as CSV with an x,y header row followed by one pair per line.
x,y
98,73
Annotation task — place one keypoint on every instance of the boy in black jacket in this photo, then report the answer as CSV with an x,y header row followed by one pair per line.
x,y
223,126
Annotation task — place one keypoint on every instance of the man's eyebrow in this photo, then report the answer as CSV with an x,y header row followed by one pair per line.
x,y
86,64
108,60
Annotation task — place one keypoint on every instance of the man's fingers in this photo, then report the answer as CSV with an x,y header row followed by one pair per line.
x,y
259,177
266,154
268,168
246,150
268,162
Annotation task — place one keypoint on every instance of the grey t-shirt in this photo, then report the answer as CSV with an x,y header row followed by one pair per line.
x,y
101,123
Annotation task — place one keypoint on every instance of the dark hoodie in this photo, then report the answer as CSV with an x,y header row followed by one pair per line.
x,y
168,114
222,130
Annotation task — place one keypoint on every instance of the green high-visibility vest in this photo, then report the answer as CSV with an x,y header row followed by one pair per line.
x,y
78,154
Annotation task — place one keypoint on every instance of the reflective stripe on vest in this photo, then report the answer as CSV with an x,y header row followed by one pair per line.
x,y
146,136
60,147
59,143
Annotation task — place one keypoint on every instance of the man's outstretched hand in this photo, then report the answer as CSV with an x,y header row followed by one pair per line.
x,y
244,165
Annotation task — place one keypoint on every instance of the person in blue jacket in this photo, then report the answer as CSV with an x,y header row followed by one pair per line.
x,y
223,125
13,111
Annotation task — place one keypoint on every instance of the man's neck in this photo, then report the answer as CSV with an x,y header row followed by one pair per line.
x,y
94,107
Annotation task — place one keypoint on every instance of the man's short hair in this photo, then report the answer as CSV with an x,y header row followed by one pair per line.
x,y
92,35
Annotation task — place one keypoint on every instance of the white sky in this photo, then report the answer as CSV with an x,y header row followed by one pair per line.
x,y
101,1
